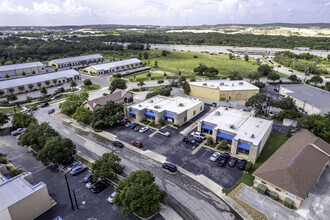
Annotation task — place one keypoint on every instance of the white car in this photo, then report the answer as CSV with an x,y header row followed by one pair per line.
x,y
198,135
111,197
143,129
215,156
164,132
71,166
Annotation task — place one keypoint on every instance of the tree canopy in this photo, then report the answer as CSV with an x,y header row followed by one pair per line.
x,y
257,101
3,119
203,70
22,120
82,115
186,87
316,80
72,102
264,70
139,194
273,76
318,125
107,166
117,84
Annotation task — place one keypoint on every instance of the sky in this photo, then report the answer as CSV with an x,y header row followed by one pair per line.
x,y
161,12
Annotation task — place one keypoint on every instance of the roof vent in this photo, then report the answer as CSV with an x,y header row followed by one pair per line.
x,y
252,135
232,126
240,83
222,84
157,107
181,104
217,113
204,84
212,85
151,101
232,84
140,105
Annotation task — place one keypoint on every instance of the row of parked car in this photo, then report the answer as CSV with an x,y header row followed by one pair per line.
x,y
194,139
225,158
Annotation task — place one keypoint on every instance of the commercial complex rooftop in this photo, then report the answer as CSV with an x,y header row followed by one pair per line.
x,y
243,124
297,164
17,188
116,95
38,78
76,59
20,66
160,103
226,85
312,95
106,66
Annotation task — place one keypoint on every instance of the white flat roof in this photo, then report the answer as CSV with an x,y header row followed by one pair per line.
x,y
6,84
16,189
75,59
106,66
20,66
160,103
226,85
241,123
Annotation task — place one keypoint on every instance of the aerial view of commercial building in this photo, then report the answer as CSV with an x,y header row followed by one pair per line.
x,y
21,69
113,67
76,61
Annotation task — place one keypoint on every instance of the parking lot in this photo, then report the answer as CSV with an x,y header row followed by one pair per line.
x,y
180,154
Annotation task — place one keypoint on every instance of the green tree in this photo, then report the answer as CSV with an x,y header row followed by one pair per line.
x,y
11,97
156,64
3,119
230,56
39,84
293,78
43,90
21,89
254,76
234,75
273,76
72,102
54,81
139,194
47,82
165,75
286,103
11,90
88,83
1,93
257,101
36,135
327,86
107,115
56,150
33,72
186,88
30,86
246,58
264,70
141,83
72,85
82,115
145,55
117,84
164,53
107,166
318,125
316,80
22,120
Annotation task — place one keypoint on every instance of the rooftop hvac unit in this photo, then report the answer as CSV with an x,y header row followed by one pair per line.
x,y
217,113
140,105
151,101
232,126
212,85
157,107
222,84
232,84
240,83
181,104
204,84
252,135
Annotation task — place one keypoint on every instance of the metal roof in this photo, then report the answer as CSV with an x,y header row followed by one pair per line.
x,y
75,59
311,95
106,66
38,78
20,66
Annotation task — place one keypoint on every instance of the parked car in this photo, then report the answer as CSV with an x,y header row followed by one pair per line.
x,y
143,129
233,161
290,71
33,108
133,126
215,156
190,141
164,132
99,186
270,114
43,105
137,128
118,144
128,124
198,135
170,167
124,121
72,165
18,131
88,177
111,197
78,169
199,140
223,159
89,184
51,111
137,144
241,165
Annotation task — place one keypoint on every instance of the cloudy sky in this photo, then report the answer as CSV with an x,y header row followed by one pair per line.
x,y
161,12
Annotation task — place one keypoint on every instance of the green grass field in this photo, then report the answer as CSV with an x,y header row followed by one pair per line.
x,y
185,62
143,77
91,87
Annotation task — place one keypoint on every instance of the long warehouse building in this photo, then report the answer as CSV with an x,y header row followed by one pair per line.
x,y
14,70
76,61
113,67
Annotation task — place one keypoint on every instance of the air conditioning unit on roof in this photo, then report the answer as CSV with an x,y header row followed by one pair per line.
x,y
181,104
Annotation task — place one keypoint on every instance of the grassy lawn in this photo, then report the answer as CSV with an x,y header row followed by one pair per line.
x,y
185,62
83,160
4,110
91,87
143,77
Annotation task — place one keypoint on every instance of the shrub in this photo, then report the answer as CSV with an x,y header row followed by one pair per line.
x,y
209,141
160,81
161,121
143,89
273,195
259,84
223,145
248,166
176,125
261,188
136,90
192,80
288,202
14,172
195,56
3,160
144,121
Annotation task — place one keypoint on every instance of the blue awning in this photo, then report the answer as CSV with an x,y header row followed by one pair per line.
x,y
149,113
225,136
207,127
132,112
169,115
244,146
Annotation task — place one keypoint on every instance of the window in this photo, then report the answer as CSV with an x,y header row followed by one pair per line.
x,y
185,119
194,112
263,182
278,190
201,109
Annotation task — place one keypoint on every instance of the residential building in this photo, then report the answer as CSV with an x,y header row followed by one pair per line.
x,y
294,168
76,61
223,90
113,67
177,110
309,99
21,85
245,133
15,70
21,198
118,96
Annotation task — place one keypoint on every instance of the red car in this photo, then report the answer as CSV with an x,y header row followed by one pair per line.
x,y
124,121
137,143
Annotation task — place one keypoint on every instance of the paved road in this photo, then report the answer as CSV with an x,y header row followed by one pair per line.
x,y
197,202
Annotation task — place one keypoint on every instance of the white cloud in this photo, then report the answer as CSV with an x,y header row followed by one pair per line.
x,y
8,7
46,8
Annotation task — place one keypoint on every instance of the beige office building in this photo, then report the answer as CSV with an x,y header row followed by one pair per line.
x,y
113,67
223,90
17,70
76,61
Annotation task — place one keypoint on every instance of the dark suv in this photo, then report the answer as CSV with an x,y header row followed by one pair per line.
x,y
241,165
232,162
190,141
99,186
223,159
172,168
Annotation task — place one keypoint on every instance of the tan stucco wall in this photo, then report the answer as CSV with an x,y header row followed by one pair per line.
x,y
198,109
281,194
5,215
31,206
91,70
